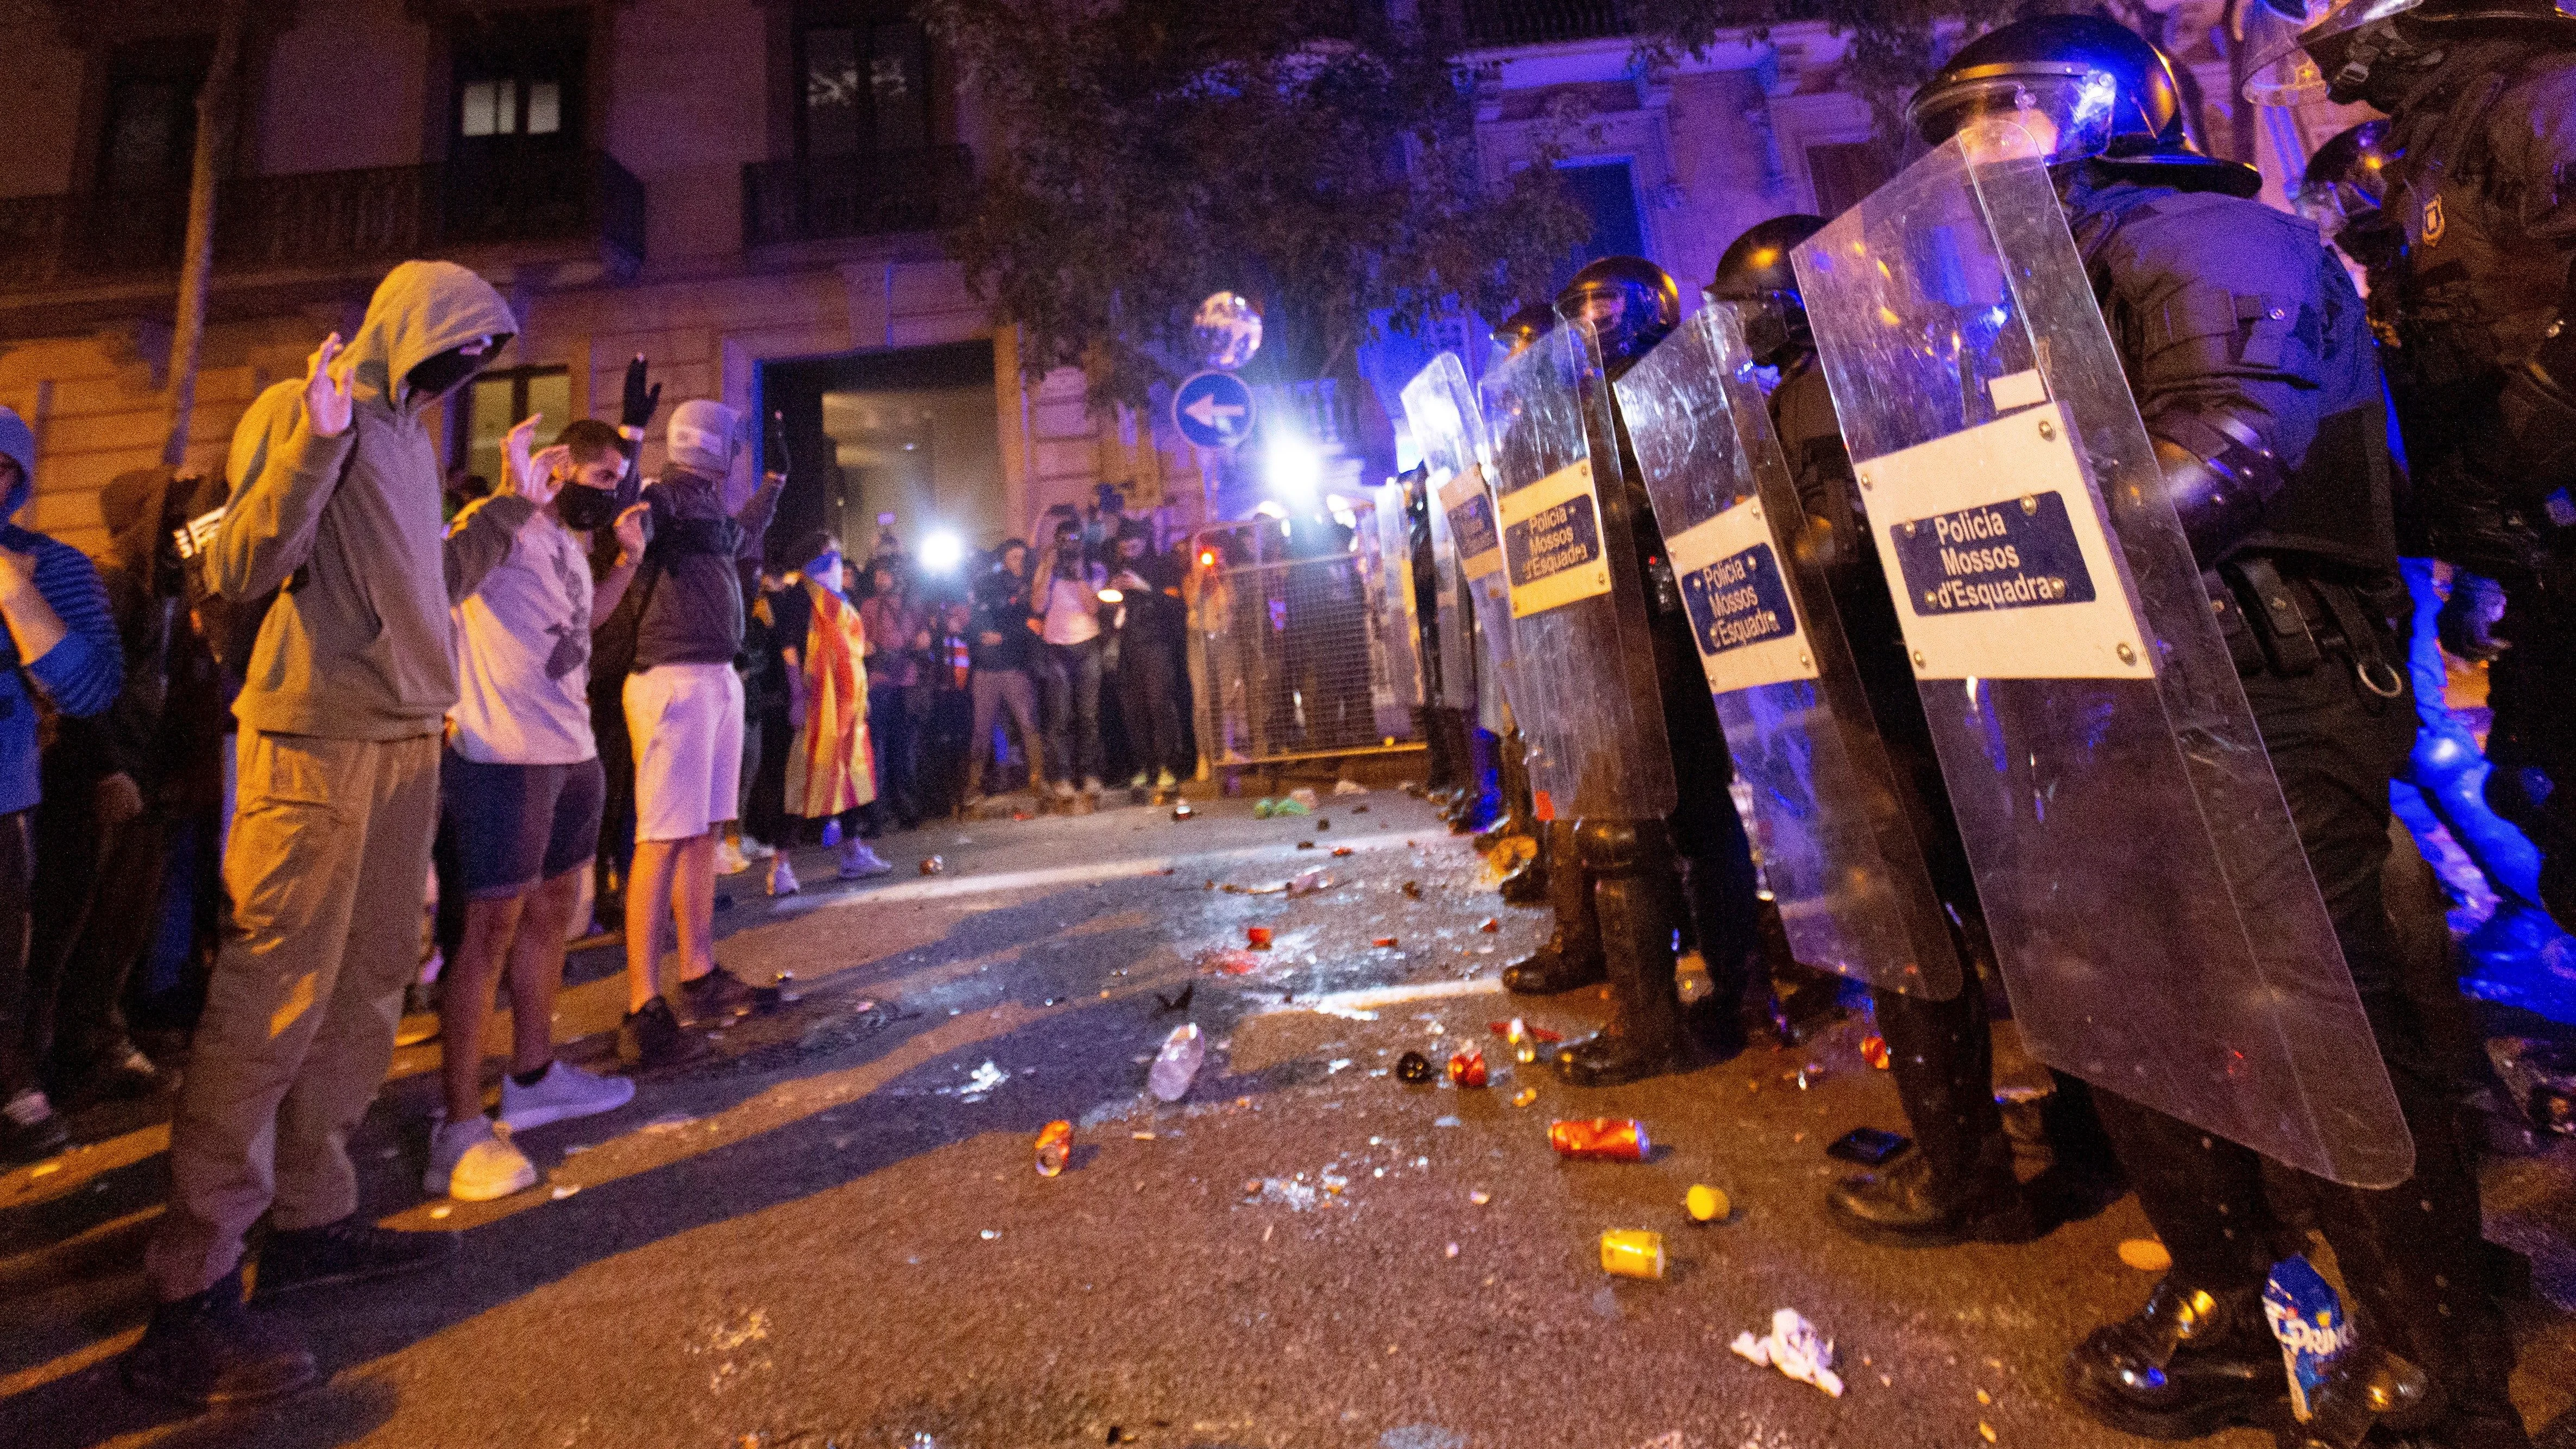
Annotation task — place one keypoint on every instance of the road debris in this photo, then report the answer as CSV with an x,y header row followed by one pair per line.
x,y
1610,1139
1873,1050
2145,1254
1707,1204
1183,812
1489,925
1633,1253
1467,1069
1342,850
1479,1196
1177,1065
1383,943
1307,882
1257,937
1412,890
1303,797
933,865
1524,1096
1180,1000
1795,1348
1054,1148
1413,1069
1349,787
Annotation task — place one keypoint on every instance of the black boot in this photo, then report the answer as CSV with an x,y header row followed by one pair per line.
x,y
1632,877
210,1350
1958,1184
348,1251
2190,1363
1572,956
1721,907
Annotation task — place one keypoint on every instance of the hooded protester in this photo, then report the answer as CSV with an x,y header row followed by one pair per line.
x,y
335,506
61,646
115,789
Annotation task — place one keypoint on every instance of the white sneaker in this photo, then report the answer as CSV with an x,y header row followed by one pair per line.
x,y
858,862
730,859
1091,784
1064,789
563,1093
782,877
473,1161
754,849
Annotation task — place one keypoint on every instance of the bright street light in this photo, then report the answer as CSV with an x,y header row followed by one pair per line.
x,y
942,552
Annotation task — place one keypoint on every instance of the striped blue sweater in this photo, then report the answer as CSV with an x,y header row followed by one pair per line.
x,y
80,676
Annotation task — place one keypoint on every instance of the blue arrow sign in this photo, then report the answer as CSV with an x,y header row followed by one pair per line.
x,y
1213,409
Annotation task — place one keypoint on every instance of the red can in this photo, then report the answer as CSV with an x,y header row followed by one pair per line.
x,y
1257,937
1467,1069
1613,1139
1055,1148
1873,1050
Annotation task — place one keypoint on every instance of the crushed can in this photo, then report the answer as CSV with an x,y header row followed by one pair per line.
x,y
1632,1253
933,865
1257,937
1055,1148
1467,1069
1873,1050
1611,1139
1413,1068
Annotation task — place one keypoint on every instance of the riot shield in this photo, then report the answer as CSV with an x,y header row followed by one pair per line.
x,y
1450,618
1581,654
1449,430
2158,927
1835,834
1397,646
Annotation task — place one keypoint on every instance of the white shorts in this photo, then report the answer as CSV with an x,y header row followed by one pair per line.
x,y
686,724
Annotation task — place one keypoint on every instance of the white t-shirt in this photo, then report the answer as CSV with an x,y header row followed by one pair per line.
x,y
523,655
1072,611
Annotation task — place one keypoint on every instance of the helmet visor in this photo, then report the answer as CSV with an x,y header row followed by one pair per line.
x,y
2064,110
2281,37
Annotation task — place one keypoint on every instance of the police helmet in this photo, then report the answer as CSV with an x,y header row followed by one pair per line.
x,y
1756,274
2343,192
1524,327
2301,50
2083,88
1630,303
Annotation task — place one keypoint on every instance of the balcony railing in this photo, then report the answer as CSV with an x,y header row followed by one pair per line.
x,y
1538,22
318,218
817,198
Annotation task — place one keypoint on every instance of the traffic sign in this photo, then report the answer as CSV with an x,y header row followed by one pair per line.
x,y
1213,409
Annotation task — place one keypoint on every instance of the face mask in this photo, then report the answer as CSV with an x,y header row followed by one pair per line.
x,y
440,374
583,506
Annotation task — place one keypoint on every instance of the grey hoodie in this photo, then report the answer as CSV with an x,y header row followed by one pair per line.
x,y
358,644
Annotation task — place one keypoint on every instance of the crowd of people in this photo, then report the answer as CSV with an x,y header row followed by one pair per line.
x,y
568,700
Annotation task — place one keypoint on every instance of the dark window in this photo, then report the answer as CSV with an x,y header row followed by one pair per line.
x,y
495,402
147,145
1607,192
518,82
866,86
1844,172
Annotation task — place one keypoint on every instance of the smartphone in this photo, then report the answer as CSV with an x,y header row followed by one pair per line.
x,y
1868,1146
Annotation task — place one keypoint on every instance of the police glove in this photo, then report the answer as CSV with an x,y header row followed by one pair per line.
x,y
640,401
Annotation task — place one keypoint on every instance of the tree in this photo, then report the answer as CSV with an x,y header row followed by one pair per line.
x,y
1315,156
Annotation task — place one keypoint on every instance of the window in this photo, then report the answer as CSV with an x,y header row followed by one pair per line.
x,y
866,87
1844,172
496,401
518,78
1607,192
148,138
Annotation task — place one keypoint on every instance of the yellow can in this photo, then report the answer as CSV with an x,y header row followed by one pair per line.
x,y
1632,1253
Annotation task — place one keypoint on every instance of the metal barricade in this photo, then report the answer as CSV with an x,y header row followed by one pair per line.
x,y
1293,652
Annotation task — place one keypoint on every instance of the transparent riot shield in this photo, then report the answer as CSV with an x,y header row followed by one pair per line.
x,y
2158,927
1451,619
1449,429
1834,832
1397,645
1581,653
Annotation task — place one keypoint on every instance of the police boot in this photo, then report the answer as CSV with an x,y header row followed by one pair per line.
x,y
1723,931
1630,865
1957,1185
1572,956
2190,1363
1485,796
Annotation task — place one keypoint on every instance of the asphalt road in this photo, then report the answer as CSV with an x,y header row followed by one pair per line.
x,y
833,1234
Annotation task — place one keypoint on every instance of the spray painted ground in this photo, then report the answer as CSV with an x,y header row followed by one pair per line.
x,y
833,1235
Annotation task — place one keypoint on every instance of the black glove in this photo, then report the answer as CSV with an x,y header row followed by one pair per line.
x,y
773,446
2468,618
641,401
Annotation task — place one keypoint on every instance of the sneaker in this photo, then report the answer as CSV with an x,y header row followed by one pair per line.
x,y
348,1251
858,862
474,1161
729,859
563,1093
715,996
1164,781
1063,790
652,1038
782,876
30,1131
210,1350
1138,781
1091,786
757,849
831,833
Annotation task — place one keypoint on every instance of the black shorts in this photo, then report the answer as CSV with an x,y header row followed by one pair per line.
x,y
517,825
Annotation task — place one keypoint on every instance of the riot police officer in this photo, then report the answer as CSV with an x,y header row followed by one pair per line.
x,y
1958,1184
2480,96
1631,304
2248,355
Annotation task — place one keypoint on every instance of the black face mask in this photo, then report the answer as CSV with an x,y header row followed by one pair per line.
x,y
440,373
583,506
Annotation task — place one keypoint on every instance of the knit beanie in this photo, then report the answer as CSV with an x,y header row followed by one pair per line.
x,y
702,437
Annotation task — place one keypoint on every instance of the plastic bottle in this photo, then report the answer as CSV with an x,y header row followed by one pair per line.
x,y
1177,1065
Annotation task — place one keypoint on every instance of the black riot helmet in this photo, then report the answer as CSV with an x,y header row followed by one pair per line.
x,y
2085,89
1631,304
1755,272
2305,49
1524,327
2345,185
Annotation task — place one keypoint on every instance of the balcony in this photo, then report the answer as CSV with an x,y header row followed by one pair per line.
x,y
325,218
823,198
1498,23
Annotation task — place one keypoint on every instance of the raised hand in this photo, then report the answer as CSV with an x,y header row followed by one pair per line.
x,y
528,477
773,447
640,401
630,530
327,406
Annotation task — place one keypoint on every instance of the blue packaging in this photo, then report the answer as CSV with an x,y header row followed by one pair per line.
x,y
2307,1317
